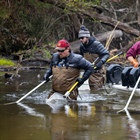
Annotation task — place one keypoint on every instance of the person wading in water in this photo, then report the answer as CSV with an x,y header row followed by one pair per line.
x,y
92,49
65,67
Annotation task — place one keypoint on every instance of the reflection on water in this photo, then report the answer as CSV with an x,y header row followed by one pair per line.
x,y
33,119
134,131
30,110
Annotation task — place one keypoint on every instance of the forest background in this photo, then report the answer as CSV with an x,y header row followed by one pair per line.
x,y
30,29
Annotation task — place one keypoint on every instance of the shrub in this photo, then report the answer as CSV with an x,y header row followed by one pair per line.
x,y
6,62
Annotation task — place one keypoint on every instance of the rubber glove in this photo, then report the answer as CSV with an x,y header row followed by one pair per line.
x,y
98,66
46,77
135,63
80,82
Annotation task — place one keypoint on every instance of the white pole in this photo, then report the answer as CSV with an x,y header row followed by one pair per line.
x,y
30,92
125,108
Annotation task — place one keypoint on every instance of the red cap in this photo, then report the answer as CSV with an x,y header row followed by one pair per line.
x,y
62,44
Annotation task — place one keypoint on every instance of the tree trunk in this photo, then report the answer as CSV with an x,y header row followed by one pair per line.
x,y
93,14
104,36
100,37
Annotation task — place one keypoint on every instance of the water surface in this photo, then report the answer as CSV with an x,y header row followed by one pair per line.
x,y
33,119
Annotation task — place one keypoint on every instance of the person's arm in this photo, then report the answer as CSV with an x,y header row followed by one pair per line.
x,y
88,69
133,61
132,53
103,54
48,72
101,51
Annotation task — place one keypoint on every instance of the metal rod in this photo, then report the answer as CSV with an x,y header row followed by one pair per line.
x,y
30,92
69,91
126,106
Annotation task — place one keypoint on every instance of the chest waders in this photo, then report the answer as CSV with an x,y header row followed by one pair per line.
x,y
96,80
63,79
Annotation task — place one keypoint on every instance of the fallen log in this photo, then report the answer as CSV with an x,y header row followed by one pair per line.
x,y
104,36
99,37
92,13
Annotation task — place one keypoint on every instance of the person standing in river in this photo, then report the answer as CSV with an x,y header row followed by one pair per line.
x,y
65,67
92,49
133,55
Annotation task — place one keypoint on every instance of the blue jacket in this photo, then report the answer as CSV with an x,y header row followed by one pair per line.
x,y
73,60
95,47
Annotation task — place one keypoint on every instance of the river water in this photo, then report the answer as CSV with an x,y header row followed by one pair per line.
x,y
95,119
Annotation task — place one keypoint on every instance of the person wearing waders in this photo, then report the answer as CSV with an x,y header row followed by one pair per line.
x,y
133,55
65,69
92,49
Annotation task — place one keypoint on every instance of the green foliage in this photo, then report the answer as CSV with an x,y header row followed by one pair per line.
x,y
81,3
4,13
47,53
34,22
2,73
6,62
36,52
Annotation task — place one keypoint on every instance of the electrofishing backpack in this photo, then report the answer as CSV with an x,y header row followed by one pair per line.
x,y
129,76
133,77
125,76
113,73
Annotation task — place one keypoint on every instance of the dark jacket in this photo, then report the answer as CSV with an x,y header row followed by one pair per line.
x,y
73,60
95,47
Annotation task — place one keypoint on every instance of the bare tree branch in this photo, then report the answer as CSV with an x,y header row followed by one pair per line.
x,y
92,14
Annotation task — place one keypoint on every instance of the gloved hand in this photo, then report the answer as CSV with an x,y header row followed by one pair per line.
x,y
80,82
98,66
46,77
135,63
